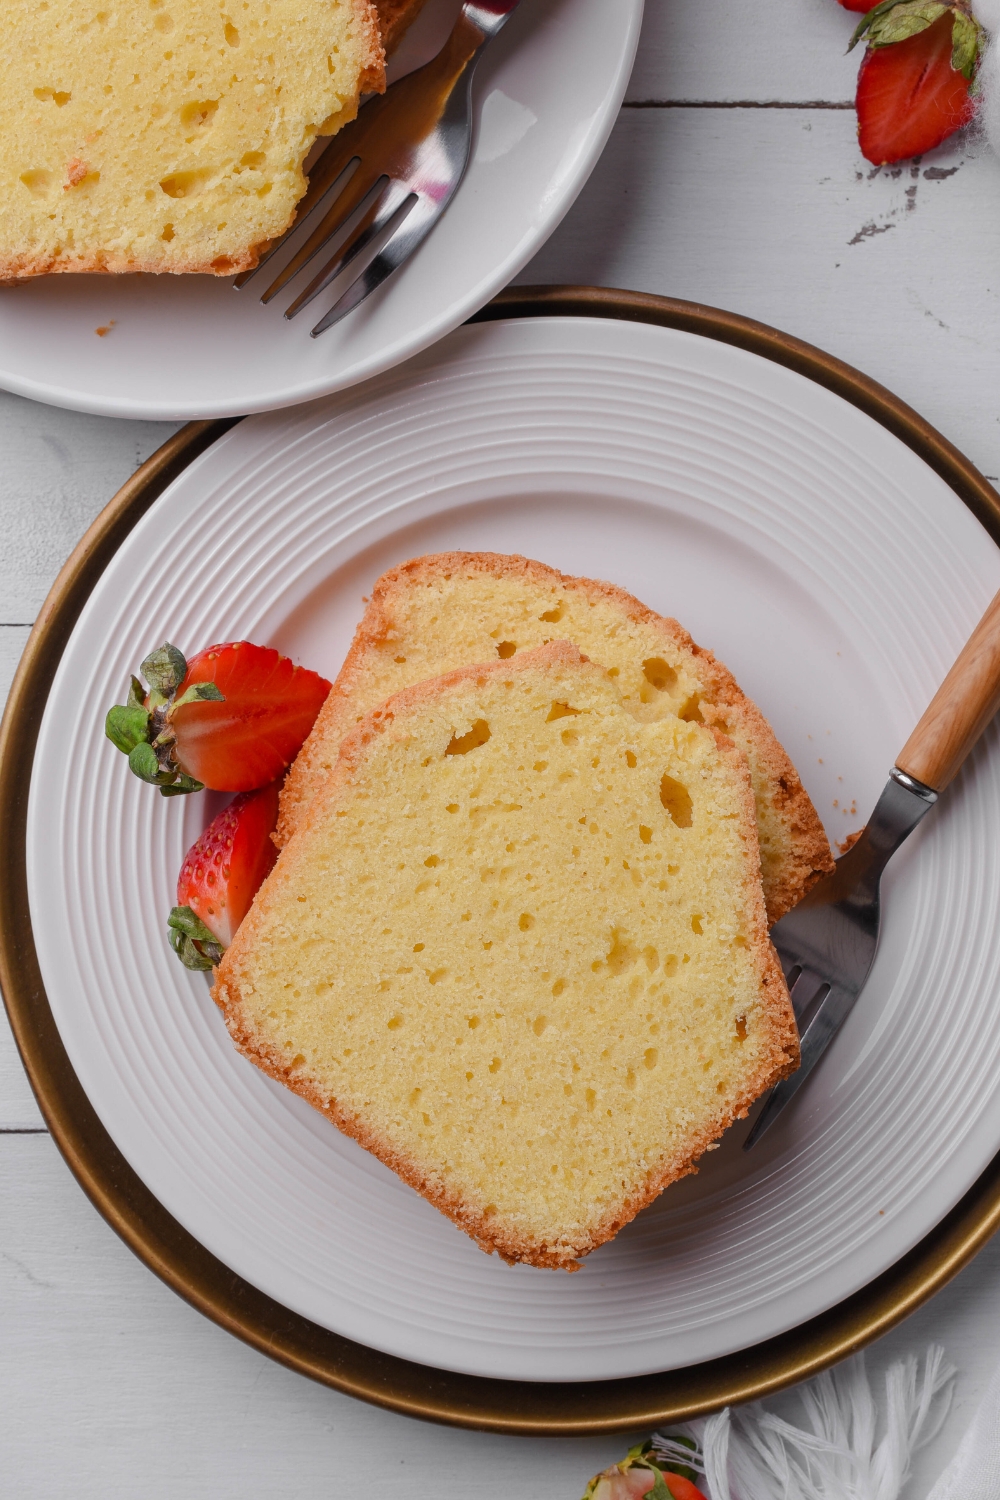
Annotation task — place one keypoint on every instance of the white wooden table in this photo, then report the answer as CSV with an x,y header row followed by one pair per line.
x,y
733,178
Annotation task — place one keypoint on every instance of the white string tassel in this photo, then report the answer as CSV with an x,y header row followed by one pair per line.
x,y
987,12
847,1449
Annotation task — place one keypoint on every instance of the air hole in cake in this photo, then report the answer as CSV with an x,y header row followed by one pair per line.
x,y
418,947
164,24
37,181
506,649
630,759
399,660
591,1098
437,975
495,1065
473,1022
622,954
741,1028
553,616
168,232
432,861
394,1023
570,737
696,924
676,799
645,833
256,159
461,744
57,96
198,112
558,987
691,711
540,765
539,1025
659,674
232,34
185,184
526,921
561,711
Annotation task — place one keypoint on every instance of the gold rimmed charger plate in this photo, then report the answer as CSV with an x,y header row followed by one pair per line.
x,y
181,1261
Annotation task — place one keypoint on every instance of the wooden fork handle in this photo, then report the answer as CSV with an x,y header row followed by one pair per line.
x,y
960,710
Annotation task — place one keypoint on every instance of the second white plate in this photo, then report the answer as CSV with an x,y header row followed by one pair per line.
x,y
825,563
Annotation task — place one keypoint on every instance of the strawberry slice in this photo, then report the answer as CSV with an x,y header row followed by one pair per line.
x,y
233,718
222,872
913,87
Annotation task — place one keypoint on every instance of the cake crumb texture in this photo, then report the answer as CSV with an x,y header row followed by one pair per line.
x,y
518,950
444,611
167,135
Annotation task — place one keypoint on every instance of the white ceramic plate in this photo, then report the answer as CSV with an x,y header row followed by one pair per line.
x,y
825,563
546,96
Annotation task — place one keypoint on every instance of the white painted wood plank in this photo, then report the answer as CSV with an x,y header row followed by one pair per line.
x,y
59,469
771,50
774,214
110,1381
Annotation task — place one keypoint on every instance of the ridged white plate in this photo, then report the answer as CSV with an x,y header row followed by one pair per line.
x,y
546,95
824,562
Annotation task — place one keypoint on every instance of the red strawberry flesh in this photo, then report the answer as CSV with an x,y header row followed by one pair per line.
x,y
254,735
224,869
910,98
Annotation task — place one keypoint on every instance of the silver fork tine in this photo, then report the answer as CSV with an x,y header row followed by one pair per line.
x,y
364,199
393,253
328,171
396,204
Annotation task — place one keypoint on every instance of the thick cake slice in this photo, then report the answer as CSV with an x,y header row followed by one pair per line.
x,y
437,613
168,135
518,950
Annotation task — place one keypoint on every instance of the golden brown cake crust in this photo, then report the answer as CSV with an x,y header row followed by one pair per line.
x,y
781,1059
809,857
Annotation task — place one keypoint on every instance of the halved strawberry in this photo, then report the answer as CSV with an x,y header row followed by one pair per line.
x,y
232,718
222,872
913,87
640,1476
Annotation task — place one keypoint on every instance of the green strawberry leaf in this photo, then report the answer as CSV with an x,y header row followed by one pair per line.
x,y
127,726
144,764
966,37
136,694
188,952
895,20
164,669
659,1490
182,786
199,692
196,945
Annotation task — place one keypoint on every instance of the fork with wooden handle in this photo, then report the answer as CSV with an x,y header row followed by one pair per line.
x,y
827,943
393,171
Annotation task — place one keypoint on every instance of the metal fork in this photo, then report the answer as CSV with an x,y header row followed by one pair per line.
x,y
827,943
393,172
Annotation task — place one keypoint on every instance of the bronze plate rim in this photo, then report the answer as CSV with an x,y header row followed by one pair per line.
x,y
512,1407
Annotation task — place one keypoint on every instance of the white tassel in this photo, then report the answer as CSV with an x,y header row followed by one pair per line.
x,y
987,12
749,1453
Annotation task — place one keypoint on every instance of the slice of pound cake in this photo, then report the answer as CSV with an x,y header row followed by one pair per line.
x,y
168,135
441,612
518,950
